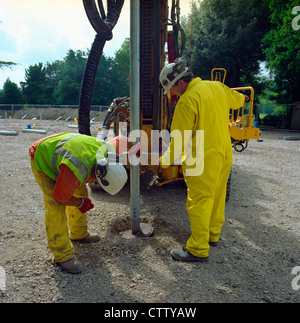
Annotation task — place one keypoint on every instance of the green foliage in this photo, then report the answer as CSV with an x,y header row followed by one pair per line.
x,y
280,118
112,76
68,78
122,68
282,49
59,82
227,34
11,93
272,113
33,87
6,64
104,88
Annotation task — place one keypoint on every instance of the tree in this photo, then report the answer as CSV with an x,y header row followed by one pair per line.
x,y
70,76
11,93
104,89
122,69
60,82
53,74
74,64
282,49
6,64
34,85
112,76
227,34
2,65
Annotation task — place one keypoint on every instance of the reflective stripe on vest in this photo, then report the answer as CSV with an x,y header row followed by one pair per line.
x,y
64,153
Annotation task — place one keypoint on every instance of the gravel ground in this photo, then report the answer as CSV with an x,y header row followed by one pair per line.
x,y
258,250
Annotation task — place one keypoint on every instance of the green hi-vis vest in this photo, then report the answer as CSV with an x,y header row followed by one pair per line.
x,y
79,152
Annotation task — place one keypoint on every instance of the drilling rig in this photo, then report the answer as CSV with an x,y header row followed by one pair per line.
x,y
161,40
160,32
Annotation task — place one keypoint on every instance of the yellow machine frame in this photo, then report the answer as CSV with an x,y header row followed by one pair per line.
x,y
241,126
218,75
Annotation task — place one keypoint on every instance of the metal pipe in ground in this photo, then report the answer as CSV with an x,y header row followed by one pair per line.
x,y
138,229
135,203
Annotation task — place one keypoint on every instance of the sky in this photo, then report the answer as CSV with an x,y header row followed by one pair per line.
x,y
41,31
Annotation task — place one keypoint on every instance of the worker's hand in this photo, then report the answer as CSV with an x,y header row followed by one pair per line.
x,y
85,205
247,98
135,150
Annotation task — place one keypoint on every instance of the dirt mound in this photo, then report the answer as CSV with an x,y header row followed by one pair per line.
x,y
54,113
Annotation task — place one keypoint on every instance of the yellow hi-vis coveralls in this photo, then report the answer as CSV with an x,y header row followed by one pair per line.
x,y
79,153
56,221
204,106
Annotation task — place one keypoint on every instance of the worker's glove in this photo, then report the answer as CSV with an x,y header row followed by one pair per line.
x,y
86,205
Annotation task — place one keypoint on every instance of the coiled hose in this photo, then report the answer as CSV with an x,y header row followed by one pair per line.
x,y
103,26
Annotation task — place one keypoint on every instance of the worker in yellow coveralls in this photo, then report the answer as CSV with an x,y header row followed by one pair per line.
x,y
203,111
62,164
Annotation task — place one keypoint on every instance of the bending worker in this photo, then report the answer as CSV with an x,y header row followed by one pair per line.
x,y
203,112
62,164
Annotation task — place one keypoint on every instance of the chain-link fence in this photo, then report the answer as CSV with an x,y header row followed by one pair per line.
x,y
279,116
16,107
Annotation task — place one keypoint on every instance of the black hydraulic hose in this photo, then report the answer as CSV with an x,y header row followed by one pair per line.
x,y
111,116
117,103
92,13
101,9
88,85
103,28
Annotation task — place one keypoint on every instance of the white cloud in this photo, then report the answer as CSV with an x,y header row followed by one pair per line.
x,y
36,31
35,24
2,18
16,75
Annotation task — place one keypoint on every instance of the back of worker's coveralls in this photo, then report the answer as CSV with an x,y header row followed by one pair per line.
x,y
79,153
205,106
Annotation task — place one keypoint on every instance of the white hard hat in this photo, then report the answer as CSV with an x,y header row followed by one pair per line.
x,y
171,73
111,175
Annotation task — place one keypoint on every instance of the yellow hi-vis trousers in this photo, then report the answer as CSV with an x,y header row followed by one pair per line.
x,y
57,217
206,202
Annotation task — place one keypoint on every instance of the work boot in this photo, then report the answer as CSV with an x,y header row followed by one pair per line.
x,y
90,238
72,266
213,244
184,255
